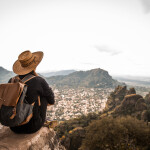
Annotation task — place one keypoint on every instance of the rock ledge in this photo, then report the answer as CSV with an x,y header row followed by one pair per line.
x,y
44,139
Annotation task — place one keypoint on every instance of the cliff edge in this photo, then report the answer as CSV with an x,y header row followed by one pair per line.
x,y
44,139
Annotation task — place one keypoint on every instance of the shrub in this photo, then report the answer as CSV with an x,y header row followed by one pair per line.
x,y
116,134
81,121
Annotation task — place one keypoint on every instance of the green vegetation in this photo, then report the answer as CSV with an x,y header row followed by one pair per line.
x,y
96,78
124,133
82,121
123,125
94,133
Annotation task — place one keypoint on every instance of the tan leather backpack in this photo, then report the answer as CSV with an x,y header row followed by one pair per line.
x,y
14,109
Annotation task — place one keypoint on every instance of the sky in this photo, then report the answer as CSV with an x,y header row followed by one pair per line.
x,y
113,35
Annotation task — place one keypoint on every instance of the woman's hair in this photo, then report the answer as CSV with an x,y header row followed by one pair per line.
x,y
33,73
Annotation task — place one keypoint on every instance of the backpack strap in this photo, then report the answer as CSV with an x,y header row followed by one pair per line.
x,y
27,78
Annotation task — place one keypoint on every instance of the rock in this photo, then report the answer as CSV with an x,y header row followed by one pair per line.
x,y
140,105
146,115
130,100
147,98
131,91
125,102
115,98
44,139
74,140
133,104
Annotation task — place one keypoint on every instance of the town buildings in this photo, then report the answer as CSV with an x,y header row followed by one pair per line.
x,y
71,103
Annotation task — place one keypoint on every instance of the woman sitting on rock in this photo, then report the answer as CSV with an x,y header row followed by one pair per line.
x,y
38,91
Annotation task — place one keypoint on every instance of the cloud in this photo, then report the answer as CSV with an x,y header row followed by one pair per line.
x,y
90,64
105,49
146,5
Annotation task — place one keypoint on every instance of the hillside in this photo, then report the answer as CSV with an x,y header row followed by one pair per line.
x,y
5,75
124,124
95,78
57,73
134,81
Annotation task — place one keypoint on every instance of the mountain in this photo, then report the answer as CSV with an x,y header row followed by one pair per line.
x,y
56,73
5,75
134,81
95,78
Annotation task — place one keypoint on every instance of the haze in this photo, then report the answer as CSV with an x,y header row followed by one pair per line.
x,y
113,35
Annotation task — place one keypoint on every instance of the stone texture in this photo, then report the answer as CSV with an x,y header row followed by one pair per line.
x,y
126,102
44,139
147,98
115,98
131,91
74,139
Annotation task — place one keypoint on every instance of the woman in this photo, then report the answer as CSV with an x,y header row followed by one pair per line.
x,y
37,87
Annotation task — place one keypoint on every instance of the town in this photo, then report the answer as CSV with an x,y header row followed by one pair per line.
x,y
71,103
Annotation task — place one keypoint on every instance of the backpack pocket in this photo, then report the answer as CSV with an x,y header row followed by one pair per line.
x,y
23,114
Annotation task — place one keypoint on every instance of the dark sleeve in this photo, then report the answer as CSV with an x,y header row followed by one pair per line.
x,y
47,92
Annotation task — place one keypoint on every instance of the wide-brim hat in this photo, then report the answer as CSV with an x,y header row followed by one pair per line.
x,y
27,62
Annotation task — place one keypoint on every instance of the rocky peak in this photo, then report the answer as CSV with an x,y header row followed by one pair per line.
x,y
95,78
116,98
126,102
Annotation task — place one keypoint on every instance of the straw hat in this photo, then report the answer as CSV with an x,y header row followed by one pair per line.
x,y
27,62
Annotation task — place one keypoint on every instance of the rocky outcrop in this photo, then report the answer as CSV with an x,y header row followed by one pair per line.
x,y
140,105
44,139
73,140
115,98
130,104
131,91
147,98
146,115
126,102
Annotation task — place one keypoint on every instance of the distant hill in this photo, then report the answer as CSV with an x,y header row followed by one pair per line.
x,y
5,75
56,73
95,78
134,81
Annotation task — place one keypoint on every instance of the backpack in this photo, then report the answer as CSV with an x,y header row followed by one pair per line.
x,y
14,109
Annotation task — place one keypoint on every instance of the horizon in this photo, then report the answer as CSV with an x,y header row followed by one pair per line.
x,y
113,75
78,34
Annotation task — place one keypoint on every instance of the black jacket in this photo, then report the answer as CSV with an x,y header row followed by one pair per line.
x,y
37,86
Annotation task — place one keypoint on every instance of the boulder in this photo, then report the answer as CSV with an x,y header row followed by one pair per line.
x,y
131,91
140,105
132,104
44,139
130,100
146,115
147,98
74,139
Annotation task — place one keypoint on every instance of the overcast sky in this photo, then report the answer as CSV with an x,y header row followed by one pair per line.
x,y
78,34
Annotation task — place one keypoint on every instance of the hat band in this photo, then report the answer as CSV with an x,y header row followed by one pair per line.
x,y
28,62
